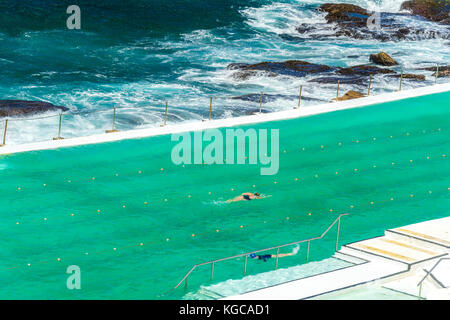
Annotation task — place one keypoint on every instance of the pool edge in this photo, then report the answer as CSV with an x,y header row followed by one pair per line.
x,y
228,122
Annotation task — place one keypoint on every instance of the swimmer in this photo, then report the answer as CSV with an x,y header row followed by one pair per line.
x,y
266,257
247,196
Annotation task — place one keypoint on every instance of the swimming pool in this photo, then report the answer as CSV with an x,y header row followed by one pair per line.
x,y
135,223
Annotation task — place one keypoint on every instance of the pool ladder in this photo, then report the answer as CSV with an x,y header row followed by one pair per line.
x,y
213,262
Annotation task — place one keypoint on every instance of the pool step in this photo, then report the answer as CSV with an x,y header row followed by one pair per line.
x,y
348,257
405,244
433,236
398,250
208,294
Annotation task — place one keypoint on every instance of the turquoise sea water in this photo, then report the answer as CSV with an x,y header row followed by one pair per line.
x,y
142,53
78,204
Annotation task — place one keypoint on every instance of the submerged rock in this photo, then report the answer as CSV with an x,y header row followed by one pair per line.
x,y
434,10
256,97
383,59
442,73
364,70
351,75
343,12
359,80
296,68
410,76
349,95
440,68
14,108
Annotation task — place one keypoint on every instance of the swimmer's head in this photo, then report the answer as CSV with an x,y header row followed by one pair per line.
x,y
252,255
257,194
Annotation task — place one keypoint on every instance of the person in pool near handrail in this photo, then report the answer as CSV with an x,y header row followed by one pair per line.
x,y
247,196
266,257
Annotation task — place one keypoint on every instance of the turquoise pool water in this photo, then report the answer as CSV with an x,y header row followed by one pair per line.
x,y
73,206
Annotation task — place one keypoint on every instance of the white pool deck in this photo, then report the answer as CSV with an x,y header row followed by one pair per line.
x,y
229,122
397,261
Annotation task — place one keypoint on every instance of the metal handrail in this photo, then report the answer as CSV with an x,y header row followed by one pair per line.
x,y
212,262
431,270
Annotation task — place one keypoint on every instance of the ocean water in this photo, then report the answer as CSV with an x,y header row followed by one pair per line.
x,y
135,223
137,55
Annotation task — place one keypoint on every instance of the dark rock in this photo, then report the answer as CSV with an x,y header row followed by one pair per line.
x,y
383,59
441,68
349,95
294,68
350,75
256,97
442,73
342,80
364,70
434,10
14,108
353,75
342,12
410,76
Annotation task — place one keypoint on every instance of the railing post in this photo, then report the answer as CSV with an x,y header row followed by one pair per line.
x,y
212,271
4,133
401,81
58,137
307,252
370,84
113,128
300,97
276,261
337,237
210,107
245,265
165,116
185,282
260,102
337,91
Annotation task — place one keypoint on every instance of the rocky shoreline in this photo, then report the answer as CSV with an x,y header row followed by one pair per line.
x,y
351,21
347,20
356,75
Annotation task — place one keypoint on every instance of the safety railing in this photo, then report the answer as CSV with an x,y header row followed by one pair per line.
x,y
260,102
428,273
246,255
